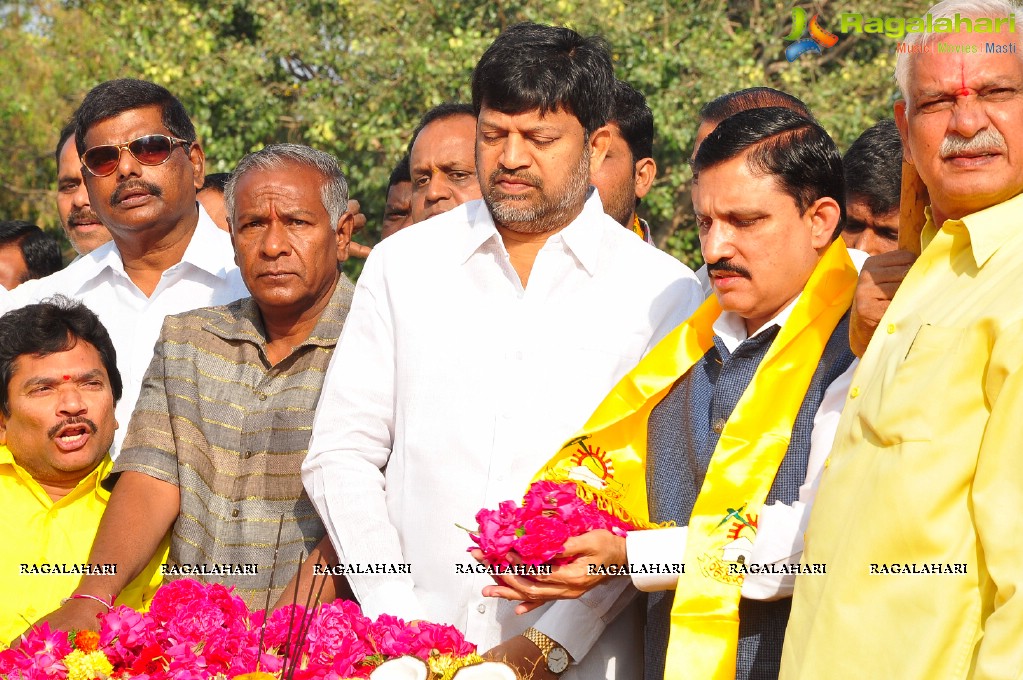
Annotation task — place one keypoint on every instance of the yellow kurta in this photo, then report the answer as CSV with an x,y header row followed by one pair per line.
x,y
927,474
44,535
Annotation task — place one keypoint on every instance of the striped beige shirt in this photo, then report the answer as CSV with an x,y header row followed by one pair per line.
x,y
217,420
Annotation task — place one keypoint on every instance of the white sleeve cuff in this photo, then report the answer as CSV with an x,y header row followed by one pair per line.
x,y
779,541
656,557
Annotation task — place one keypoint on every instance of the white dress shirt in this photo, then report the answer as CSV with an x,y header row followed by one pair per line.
x,y
206,275
781,526
452,385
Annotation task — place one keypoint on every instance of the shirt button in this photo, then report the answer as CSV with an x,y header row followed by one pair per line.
x,y
482,608
234,513
854,392
262,397
248,454
827,462
891,328
719,425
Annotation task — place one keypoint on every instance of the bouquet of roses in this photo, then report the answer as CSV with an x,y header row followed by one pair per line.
x,y
194,631
536,531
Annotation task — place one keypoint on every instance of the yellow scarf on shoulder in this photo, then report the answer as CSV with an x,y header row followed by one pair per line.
x,y
607,459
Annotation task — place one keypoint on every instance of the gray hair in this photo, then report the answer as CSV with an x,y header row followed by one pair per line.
x,y
947,9
333,194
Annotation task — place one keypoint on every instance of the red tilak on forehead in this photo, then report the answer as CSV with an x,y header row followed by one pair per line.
x,y
67,377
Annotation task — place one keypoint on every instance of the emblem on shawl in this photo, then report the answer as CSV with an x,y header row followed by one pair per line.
x,y
738,532
593,466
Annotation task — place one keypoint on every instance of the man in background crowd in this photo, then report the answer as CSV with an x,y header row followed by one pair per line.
x,y
873,185
398,208
211,195
628,170
79,221
142,167
26,252
731,103
442,160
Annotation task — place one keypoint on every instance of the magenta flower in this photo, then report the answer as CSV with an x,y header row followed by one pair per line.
x,y
332,640
391,636
435,636
544,538
550,514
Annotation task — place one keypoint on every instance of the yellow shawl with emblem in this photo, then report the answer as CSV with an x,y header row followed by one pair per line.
x,y
608,458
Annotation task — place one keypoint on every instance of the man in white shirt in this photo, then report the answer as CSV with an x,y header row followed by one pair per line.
x,y
142,166
768,196
479,340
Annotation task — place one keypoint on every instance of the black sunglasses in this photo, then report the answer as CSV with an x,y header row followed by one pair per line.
x,y
148,150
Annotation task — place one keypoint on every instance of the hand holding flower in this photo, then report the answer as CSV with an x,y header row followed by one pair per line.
x,y
571,577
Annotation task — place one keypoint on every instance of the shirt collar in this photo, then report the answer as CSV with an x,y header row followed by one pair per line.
x,y
202,252
581,236
988,229
581,239
731,327
92,482
243,322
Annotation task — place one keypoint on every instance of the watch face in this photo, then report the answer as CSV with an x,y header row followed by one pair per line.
x,y
557,660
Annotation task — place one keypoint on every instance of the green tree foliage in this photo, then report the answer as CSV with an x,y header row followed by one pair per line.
x,y
353,77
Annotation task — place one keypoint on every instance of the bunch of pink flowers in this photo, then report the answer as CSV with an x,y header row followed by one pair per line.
x,y
536,531
197,632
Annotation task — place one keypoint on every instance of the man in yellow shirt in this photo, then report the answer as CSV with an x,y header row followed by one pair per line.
x,y
918,508
60,384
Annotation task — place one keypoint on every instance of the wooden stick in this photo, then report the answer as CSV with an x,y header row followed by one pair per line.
x,y
911,209
269,589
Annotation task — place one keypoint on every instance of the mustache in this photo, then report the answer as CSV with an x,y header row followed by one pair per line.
x,y
987,140
82,216
728,267
133,185
521,175
73,420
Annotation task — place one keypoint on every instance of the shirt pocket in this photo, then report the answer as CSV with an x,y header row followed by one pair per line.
x,y
916,392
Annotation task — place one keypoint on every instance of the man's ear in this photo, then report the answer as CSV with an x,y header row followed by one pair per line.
x,y
344,235
234,244
823,217
3,430
903,124
198,159
646,171
600,142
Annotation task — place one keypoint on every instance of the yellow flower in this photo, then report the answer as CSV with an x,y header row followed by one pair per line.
x,y
444,667
87,666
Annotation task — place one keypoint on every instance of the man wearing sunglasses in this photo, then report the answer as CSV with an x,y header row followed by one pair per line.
x,y
141,164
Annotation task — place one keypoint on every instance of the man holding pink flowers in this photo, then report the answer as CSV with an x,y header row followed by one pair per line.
x,y
477,340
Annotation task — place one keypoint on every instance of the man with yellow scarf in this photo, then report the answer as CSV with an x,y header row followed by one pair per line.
x,y
723,428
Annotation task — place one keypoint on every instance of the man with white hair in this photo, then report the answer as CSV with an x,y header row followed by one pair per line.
x,y
917,510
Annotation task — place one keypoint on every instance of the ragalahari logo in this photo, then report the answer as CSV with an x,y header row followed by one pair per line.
x,y
809,37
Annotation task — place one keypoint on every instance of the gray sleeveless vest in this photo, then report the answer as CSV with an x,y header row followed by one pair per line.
x,y
683,431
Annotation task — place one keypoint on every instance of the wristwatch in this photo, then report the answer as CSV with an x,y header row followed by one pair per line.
x,y
555,655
